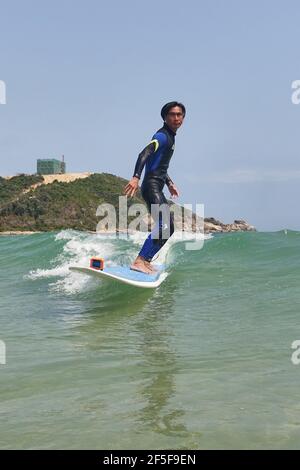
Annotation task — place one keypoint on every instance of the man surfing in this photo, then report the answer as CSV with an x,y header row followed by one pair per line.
x,y
156,156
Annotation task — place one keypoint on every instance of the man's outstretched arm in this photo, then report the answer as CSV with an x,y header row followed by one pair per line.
x,y
169,181
171,186
131,188
142,158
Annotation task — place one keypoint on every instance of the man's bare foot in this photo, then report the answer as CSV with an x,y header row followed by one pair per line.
x,y
141,268
140,264
149,266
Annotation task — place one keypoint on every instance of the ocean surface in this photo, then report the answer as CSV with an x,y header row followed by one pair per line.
x,y
202,362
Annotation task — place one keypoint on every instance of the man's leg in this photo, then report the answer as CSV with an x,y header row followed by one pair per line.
x,y
163,230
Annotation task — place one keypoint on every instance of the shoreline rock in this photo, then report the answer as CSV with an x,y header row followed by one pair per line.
x,y
213,225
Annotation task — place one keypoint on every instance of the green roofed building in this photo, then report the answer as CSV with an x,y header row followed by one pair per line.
x,y
50,166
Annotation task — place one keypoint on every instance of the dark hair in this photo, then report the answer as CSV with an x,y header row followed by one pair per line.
x,y
166,108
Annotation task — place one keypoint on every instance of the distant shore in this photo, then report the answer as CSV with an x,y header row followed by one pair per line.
x,y
210,226
51,203
19,232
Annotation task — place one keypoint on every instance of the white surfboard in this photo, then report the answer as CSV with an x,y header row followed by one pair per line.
x,y
126,275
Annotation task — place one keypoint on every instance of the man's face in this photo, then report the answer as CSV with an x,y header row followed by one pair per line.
x,y
174,118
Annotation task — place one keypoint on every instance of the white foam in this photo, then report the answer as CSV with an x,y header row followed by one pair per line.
x,y
79,247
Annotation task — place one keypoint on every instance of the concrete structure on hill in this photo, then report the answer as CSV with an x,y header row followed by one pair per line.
x,y
51,166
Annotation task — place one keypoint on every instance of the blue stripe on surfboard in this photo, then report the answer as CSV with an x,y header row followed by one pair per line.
x,y
127,273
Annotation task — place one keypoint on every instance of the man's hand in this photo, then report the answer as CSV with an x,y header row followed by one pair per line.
x,y
173,190
132,187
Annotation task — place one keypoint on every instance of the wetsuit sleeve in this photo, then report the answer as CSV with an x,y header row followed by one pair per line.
x,y
168,180
140,163
158,141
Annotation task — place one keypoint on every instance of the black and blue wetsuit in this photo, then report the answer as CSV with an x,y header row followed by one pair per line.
x,y
155,158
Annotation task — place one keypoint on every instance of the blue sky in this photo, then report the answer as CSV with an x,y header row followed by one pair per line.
x,y
88,79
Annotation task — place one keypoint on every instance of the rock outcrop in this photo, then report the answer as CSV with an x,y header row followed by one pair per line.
x,y
213,225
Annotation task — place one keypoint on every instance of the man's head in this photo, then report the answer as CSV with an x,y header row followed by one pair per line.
x,y
173,114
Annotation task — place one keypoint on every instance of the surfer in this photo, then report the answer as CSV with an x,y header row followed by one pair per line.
x,y
156,157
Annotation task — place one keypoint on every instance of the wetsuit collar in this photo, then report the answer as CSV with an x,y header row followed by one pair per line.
x,y
169,130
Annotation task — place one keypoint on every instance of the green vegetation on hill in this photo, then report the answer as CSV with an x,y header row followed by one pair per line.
x,y
12,187
57,205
